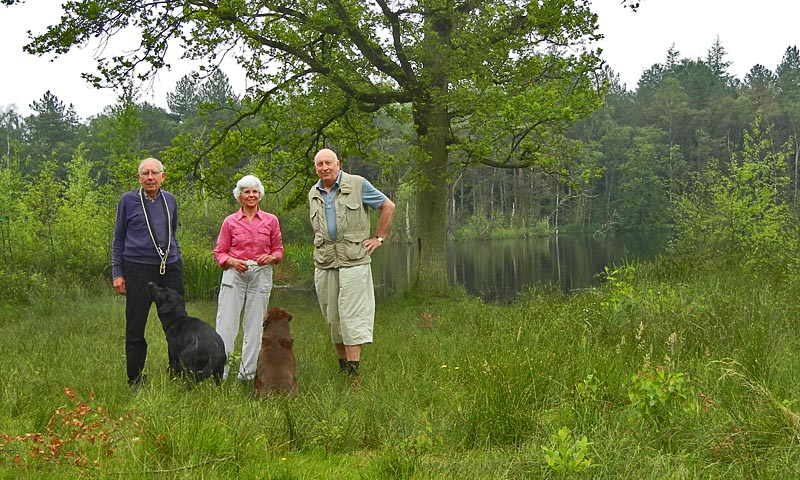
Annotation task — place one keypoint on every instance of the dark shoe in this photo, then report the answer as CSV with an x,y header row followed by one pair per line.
x,y
352,368
138,382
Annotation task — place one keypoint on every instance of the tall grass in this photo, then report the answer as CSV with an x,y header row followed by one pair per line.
x,y
650,376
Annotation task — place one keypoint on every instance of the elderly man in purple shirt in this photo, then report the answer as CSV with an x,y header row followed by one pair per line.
x,y
144,249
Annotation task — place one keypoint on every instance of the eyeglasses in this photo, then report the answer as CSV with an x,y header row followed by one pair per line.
x,y
147,173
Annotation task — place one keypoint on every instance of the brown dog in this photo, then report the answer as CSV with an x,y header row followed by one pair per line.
x,y
276,364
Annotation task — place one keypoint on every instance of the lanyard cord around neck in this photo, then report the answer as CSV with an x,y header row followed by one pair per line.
x,y
162,254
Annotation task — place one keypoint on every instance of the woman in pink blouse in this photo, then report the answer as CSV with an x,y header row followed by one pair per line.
x,y
248,246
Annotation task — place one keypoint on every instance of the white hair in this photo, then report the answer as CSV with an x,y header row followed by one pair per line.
x,y
151,159
248,181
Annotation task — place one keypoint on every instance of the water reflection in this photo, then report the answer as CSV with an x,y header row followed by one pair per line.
x,y
496,270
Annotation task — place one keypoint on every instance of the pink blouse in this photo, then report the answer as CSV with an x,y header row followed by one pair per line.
x,y
239,238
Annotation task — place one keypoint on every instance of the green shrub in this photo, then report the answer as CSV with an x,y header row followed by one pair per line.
x,y
565,455
737,213
657,393
21,287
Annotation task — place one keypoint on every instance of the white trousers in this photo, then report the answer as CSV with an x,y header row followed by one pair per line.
x,y
244,295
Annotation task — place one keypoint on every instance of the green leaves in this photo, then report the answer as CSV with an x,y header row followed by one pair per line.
x,y
566,455
657,393
738,212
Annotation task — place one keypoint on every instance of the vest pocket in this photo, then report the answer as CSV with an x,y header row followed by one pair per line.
x,y
324,254
354,217
354,248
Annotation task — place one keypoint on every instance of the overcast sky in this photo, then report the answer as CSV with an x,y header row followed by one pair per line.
x,y
750,33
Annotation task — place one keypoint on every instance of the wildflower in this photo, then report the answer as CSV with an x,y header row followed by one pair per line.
x,y
672,341
486,367
640,336
620,345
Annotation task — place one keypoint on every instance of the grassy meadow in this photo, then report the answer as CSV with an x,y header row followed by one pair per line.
x,y
655,375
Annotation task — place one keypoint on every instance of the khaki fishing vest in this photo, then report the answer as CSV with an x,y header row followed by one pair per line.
x,y
352,226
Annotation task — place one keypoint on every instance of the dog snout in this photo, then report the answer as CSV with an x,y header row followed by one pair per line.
x,y
152,289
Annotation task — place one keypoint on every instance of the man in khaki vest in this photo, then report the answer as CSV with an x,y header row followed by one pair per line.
x,y
338,205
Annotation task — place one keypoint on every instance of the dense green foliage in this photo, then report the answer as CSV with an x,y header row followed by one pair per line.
x,y
742,216
630,160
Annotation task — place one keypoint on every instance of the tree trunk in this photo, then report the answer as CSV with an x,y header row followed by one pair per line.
x,y
431,241
432,122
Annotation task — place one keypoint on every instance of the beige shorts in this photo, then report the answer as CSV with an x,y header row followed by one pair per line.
x,y
347,300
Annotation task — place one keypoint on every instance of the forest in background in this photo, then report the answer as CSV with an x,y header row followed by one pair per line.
x,y
631,165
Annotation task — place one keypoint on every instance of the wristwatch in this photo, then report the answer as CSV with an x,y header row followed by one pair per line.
x,y
380,239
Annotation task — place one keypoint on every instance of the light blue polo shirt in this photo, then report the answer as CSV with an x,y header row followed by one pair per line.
x,y
371,197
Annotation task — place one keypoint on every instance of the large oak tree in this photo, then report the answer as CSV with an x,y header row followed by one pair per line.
x,y
493,82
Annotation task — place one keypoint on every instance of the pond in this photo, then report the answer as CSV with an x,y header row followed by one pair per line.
x,y
496,270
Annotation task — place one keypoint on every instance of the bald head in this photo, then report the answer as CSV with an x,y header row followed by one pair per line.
x,y
326,154
327,165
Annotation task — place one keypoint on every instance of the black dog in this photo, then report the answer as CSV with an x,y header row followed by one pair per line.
x,y
196,350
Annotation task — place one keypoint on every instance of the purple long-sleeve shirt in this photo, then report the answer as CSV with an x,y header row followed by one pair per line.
x,y
132,241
